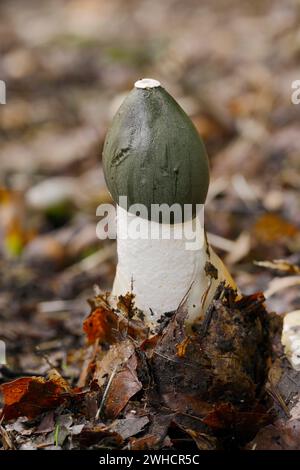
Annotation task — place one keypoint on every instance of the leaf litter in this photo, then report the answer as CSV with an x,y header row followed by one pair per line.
x,y
208,386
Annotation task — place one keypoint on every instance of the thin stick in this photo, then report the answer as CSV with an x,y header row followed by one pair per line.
x,y
106,392
7,442
277,397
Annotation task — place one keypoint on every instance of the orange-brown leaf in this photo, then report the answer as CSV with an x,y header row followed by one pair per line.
x,y
30,396
272,228
124,385
101,324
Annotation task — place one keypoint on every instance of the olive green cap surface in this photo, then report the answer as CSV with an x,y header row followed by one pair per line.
x,y
153,154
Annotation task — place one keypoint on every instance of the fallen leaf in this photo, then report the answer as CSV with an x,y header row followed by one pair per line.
x,y
21,425
30,396
93,435
115,357
124,385
126,304
101,324
47,424
108,327
244,424
130,426
272,228
144,443
278,436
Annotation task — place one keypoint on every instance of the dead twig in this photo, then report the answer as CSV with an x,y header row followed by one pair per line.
x,y
106,392
6,440
278,398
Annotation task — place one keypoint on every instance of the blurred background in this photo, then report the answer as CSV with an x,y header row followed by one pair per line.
x,y
67,66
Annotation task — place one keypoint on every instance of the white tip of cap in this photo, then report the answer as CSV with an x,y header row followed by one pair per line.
x,y
147,83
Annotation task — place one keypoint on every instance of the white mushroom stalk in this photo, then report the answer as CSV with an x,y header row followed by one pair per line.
x,y
153,159
291,338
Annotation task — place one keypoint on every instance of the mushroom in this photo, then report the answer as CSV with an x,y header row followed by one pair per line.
x,y
154,156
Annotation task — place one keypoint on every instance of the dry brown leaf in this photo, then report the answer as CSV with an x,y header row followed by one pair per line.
x,y
91,435
144,443
30,396
130,426
114,358
244,423
107,326
272,228
102,325
278,436
124,385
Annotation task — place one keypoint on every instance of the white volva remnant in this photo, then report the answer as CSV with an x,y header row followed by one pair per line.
x,y
160,272
147,83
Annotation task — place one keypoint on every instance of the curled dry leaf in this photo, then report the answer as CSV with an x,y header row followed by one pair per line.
x,y
147,442
98,435
114,358
102,324
130,426
124,386
157,433
110,326
278,436
30,396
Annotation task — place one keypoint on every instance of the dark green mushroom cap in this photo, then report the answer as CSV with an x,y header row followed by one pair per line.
x,y
153,154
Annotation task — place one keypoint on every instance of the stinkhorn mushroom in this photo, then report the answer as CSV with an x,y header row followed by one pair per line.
x,y
153,156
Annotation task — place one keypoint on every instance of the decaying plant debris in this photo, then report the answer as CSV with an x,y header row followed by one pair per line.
x,y
219,386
